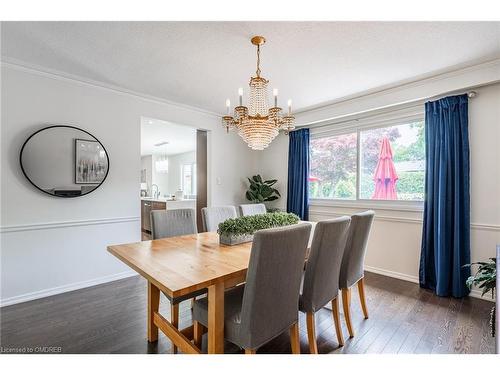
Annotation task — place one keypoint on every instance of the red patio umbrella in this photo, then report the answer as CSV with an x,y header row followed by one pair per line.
x,y
385,174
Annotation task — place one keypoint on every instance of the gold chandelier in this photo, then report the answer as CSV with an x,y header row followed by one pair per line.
x,y
258,124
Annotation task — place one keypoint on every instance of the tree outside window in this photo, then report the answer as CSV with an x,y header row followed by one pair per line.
x,y
333,169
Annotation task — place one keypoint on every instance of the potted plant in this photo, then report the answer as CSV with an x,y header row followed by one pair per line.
x,y
261,191
241,229
485,279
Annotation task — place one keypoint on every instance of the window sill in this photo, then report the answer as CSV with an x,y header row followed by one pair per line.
x,y
408,206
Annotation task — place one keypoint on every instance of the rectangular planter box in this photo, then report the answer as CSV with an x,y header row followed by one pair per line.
x,y
234,240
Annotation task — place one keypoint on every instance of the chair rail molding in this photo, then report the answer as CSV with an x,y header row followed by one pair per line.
x,y
477,226
68,223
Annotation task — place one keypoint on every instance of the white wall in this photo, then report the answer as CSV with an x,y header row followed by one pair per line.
x,y
399,256
273,164
52,244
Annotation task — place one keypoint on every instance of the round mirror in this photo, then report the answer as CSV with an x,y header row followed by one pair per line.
x,y
64,161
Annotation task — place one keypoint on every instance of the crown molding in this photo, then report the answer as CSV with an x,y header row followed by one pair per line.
x,y
408,83
412,83
68,77
403,94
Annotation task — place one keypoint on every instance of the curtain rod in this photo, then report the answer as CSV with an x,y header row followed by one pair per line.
x,y
391,108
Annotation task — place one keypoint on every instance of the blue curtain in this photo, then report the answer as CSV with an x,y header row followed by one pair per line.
x,y
446,230
298,174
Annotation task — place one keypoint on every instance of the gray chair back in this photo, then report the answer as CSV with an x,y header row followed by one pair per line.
x,y
252,209
171,223
213,216
321,278
271,295
352,268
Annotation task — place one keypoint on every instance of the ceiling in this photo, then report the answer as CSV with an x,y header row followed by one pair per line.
x,y
203,63
180,138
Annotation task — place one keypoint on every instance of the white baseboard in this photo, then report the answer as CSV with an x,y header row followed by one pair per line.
x,y
475,293
396,275
65,288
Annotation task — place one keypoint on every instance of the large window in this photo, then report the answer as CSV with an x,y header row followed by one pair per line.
x,y
385,163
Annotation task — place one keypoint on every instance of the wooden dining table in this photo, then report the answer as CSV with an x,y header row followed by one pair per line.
x,y
178,266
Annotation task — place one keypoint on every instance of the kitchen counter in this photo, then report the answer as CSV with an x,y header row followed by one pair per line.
x,y
163,199
149,204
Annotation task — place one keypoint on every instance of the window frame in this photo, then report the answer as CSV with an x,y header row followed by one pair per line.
x,y
368,124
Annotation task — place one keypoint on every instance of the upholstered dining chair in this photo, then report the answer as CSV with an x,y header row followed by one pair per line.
x,y
213,216
252,209
171,223
352,269
321,277
267,304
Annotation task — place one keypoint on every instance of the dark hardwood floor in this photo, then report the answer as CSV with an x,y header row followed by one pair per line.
x,y
111,318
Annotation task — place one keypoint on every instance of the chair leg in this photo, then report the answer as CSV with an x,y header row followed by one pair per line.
x,y
250,351
336,319
311,333
346,304
197,333
174,319
362,297
295,338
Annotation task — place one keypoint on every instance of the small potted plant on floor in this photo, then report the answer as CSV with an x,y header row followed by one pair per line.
x,y
485,279
241,229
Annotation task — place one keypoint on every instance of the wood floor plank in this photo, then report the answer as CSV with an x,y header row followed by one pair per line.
x,y
111,318
446,329
393,323
430,335
462,337
418,320
370,328
486,345
386,324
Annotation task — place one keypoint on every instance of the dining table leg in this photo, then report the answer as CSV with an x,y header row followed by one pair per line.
x,y
153,307
216,318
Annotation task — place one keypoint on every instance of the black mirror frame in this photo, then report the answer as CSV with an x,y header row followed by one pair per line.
x,y
60,126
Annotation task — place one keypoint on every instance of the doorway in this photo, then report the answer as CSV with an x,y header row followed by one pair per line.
x,y
173,169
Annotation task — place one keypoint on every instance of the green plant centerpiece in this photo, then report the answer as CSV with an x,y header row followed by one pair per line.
x,y
261,191
241,229
485,279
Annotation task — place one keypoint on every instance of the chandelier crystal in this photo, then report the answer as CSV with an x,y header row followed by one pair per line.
x,y
258,124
